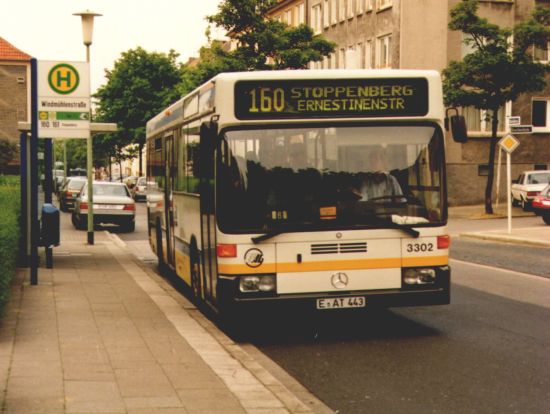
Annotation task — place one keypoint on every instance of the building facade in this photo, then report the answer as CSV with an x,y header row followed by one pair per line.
x,y
407,34
14,91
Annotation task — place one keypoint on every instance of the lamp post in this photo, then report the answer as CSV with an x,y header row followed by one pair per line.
x,y
87,33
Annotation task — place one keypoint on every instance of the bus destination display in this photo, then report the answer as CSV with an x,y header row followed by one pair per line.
x,y
322,98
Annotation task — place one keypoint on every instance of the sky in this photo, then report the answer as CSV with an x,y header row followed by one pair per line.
x,y
47,29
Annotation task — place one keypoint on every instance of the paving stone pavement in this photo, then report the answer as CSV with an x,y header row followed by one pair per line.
x,y
101,333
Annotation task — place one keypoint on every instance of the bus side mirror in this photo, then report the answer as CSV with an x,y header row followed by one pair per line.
x,y
457,122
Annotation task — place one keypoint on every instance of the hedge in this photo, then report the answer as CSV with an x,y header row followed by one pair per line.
x,y
9,234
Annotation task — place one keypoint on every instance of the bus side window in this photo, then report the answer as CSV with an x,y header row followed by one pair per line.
x,y
192,154
181,181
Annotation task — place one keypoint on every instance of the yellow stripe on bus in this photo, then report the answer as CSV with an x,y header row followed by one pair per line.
x,y
425,261
233,269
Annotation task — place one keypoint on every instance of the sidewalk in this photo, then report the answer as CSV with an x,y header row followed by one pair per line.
x,y
533,236
102,333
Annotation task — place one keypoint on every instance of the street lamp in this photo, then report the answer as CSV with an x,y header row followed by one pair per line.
x,y
87,33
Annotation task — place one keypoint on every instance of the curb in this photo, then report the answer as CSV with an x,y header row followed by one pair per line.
x,y
290,401
506,239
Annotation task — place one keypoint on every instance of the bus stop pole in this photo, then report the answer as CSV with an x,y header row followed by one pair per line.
x,y
34,225
48,182
23,222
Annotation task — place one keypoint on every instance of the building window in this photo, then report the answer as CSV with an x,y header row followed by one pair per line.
x,y
383,55
333,62
383,4
540,115
342,10
333,12
360,55
479,120
541,54
326,13
483,170
341,58
350,12
288,17
316,18
302,13
370,5
360,6
368,55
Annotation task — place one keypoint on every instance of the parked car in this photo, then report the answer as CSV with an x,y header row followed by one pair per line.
x,y
69,192
140,189
131,181
58,177
112,205
541,204
527,186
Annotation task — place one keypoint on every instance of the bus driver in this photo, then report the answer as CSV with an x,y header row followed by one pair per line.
x,y
378,182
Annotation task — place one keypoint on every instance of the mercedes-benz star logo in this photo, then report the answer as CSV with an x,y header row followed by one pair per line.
x,y
339,280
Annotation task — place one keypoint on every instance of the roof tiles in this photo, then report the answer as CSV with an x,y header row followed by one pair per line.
x,y
10,52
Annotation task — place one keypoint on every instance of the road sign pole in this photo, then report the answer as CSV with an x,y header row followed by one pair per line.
x,y
24,224
509,190
48,170
34,225
90,192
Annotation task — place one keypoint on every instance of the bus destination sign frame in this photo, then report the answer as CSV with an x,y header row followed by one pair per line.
x,y
331,98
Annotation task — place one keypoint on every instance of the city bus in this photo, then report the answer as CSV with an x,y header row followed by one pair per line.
x,y
255,190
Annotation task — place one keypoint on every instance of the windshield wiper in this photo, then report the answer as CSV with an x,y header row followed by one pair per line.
x,y
393,225
266,236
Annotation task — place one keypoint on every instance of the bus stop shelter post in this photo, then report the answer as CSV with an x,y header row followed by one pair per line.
x,y
35,233
48,181
23,221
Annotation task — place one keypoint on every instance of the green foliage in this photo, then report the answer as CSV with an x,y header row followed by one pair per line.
x,y
265,43
8,151
140,85
262,43
9,234
498,69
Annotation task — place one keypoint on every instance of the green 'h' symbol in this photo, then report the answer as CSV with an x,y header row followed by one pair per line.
x,y
63,78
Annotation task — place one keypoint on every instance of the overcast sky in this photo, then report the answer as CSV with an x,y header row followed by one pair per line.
x,y
47,29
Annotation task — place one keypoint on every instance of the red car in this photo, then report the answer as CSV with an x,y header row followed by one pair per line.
x,y
541,204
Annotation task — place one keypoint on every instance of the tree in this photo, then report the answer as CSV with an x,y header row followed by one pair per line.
x,y
498,70
140,85
262,43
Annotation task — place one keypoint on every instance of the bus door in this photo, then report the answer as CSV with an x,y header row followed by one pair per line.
x,y
208,223
169,199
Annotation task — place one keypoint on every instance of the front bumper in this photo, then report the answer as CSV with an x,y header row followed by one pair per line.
x,y
231,298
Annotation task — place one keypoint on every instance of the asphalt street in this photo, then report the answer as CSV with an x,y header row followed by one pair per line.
x,y
487,352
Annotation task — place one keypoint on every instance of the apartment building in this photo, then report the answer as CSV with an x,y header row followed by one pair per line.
x,y
413,34
14,92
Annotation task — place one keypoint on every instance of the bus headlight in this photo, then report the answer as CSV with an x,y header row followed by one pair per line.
x,y
263,283
419,276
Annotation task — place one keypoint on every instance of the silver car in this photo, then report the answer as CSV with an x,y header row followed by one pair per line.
x,y
112,205
140,189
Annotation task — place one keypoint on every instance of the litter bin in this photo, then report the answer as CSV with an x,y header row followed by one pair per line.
x,y
49,231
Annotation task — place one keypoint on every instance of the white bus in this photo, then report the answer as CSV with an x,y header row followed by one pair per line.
x,y
257,190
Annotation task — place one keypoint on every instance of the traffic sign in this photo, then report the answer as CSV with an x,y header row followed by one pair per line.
x,y
63,99
508,143
521,129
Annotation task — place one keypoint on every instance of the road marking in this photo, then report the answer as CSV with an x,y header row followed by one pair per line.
x,y
528,275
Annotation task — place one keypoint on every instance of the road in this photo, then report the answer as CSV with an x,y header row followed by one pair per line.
x,y
487,352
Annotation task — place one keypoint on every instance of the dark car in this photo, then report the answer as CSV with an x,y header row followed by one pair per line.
x,y
541,204
70,190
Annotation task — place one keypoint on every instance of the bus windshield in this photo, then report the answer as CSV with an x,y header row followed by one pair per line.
x,y
330,177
